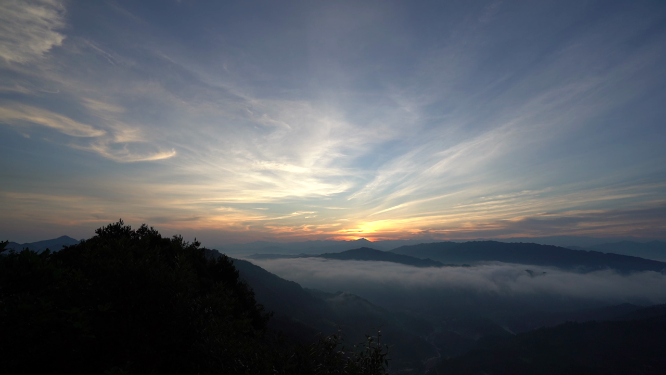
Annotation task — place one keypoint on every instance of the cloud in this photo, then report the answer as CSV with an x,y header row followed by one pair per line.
x,y
124,145
407,121
20,115
568,210
551,223
98,106
129,152
365,278
28,28
647,222
430,165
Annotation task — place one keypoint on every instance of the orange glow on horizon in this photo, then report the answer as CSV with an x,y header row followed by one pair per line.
x,y
354,238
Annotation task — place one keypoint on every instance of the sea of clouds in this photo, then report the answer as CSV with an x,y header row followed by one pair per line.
x,y
497,279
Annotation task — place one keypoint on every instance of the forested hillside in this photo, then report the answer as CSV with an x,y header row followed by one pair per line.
x,y
614,347
132,302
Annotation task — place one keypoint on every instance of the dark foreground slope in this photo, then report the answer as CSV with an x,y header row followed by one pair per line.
x,y
132,302
300,313
295,311
529,253
537,319
613,347
125,301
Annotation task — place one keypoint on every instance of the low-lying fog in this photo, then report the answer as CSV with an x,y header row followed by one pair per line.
x,y
398,286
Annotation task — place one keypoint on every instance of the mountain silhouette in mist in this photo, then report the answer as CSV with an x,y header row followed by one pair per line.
x,y
655,250
366,253
624,256
468,332
39,246
529,253
301,313
331,246
303,310
313,247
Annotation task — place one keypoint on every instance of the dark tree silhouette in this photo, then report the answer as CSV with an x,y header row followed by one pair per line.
x,y
133,302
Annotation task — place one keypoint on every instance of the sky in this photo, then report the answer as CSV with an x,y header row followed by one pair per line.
x,y
237,121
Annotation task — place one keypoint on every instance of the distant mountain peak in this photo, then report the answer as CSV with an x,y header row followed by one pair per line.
x,y
66,238
473,252
39,246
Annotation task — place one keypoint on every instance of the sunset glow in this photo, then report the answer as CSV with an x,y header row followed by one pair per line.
x,y
333,120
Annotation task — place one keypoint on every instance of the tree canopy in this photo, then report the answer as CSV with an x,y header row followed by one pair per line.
x,y
131,301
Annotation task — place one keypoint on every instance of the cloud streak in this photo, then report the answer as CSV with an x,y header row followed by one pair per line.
x,y
21,115
125,153
451,121
28,29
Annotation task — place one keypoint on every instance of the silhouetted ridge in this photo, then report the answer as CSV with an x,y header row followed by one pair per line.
x,y
366,253
655,250
288,300
645,313
133,302
529,253
55,244
539,319
300,313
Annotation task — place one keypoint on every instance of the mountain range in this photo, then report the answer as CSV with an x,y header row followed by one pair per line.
x,y
364,253
464,343
655,250
439,254
463,332
39,246
301,313
529,253
328,246
313,247
420,342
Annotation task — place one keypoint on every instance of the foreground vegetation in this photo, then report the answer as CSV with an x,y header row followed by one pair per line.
x,y
132,302
634,346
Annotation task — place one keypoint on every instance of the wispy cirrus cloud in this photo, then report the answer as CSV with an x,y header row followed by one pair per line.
x,y
120,143
29,29
471,119
128,152
16,114
32,31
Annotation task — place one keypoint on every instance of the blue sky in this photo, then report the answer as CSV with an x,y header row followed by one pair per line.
x,y
241,121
